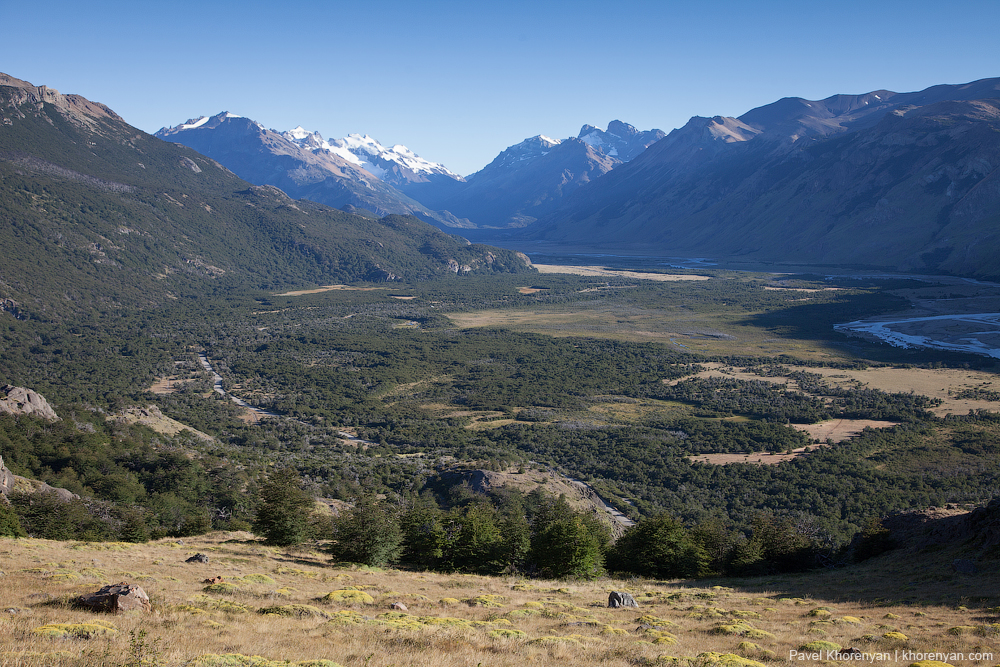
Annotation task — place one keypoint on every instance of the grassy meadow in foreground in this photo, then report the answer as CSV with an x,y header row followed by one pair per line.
x,y
295,606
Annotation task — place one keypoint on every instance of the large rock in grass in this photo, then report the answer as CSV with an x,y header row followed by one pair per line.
x,y
117,598
621,599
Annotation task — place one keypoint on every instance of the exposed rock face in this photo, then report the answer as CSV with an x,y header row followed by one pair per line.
x,y
21,401
7,479
117,598
621,599
75,107
9,483
197,558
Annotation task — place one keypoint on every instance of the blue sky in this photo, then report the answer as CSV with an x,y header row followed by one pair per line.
x,y
458,82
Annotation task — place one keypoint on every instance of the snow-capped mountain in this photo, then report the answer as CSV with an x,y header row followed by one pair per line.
x,y
306,166
528,150
370,155
620,140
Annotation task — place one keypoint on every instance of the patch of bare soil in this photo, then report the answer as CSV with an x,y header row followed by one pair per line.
x,y
168,385
531,290
327,288
755,458
600,271
839,430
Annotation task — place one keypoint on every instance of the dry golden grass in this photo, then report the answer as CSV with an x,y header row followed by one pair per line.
x,y
839,430
156,420
755,458
451,619
168,385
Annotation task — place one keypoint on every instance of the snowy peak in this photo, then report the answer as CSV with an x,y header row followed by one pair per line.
x,y
207,122
394,165
620,140
528,150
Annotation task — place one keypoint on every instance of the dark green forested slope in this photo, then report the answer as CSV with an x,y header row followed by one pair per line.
x,y
96,215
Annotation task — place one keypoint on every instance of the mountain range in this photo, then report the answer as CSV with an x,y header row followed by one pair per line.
x,y
882,180
97,214
525,181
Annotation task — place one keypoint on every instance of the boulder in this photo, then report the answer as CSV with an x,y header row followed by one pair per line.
x,y
621,599
398,606
21,401
197,558
214,580
117,598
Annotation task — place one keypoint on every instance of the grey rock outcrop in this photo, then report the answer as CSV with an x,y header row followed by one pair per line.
x,y
621,599
7,479
117,598
21,401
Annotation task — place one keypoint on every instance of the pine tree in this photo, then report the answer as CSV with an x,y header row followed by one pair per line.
x,y
368,534
284,512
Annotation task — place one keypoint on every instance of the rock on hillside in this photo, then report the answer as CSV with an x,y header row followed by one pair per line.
x,y
21,401
978,529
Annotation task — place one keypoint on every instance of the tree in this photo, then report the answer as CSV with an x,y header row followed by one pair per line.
x,y
568,548
284,512
566,543
474,542
10,526
369,533
659,547
423,532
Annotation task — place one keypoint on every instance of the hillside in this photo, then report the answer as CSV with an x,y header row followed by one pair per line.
x,y
276,605
883,180
100,215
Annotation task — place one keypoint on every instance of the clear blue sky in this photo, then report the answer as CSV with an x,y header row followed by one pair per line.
x,y
458,82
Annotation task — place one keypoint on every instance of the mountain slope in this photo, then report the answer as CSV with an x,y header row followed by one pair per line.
x,y
302,165
901,181
97,215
